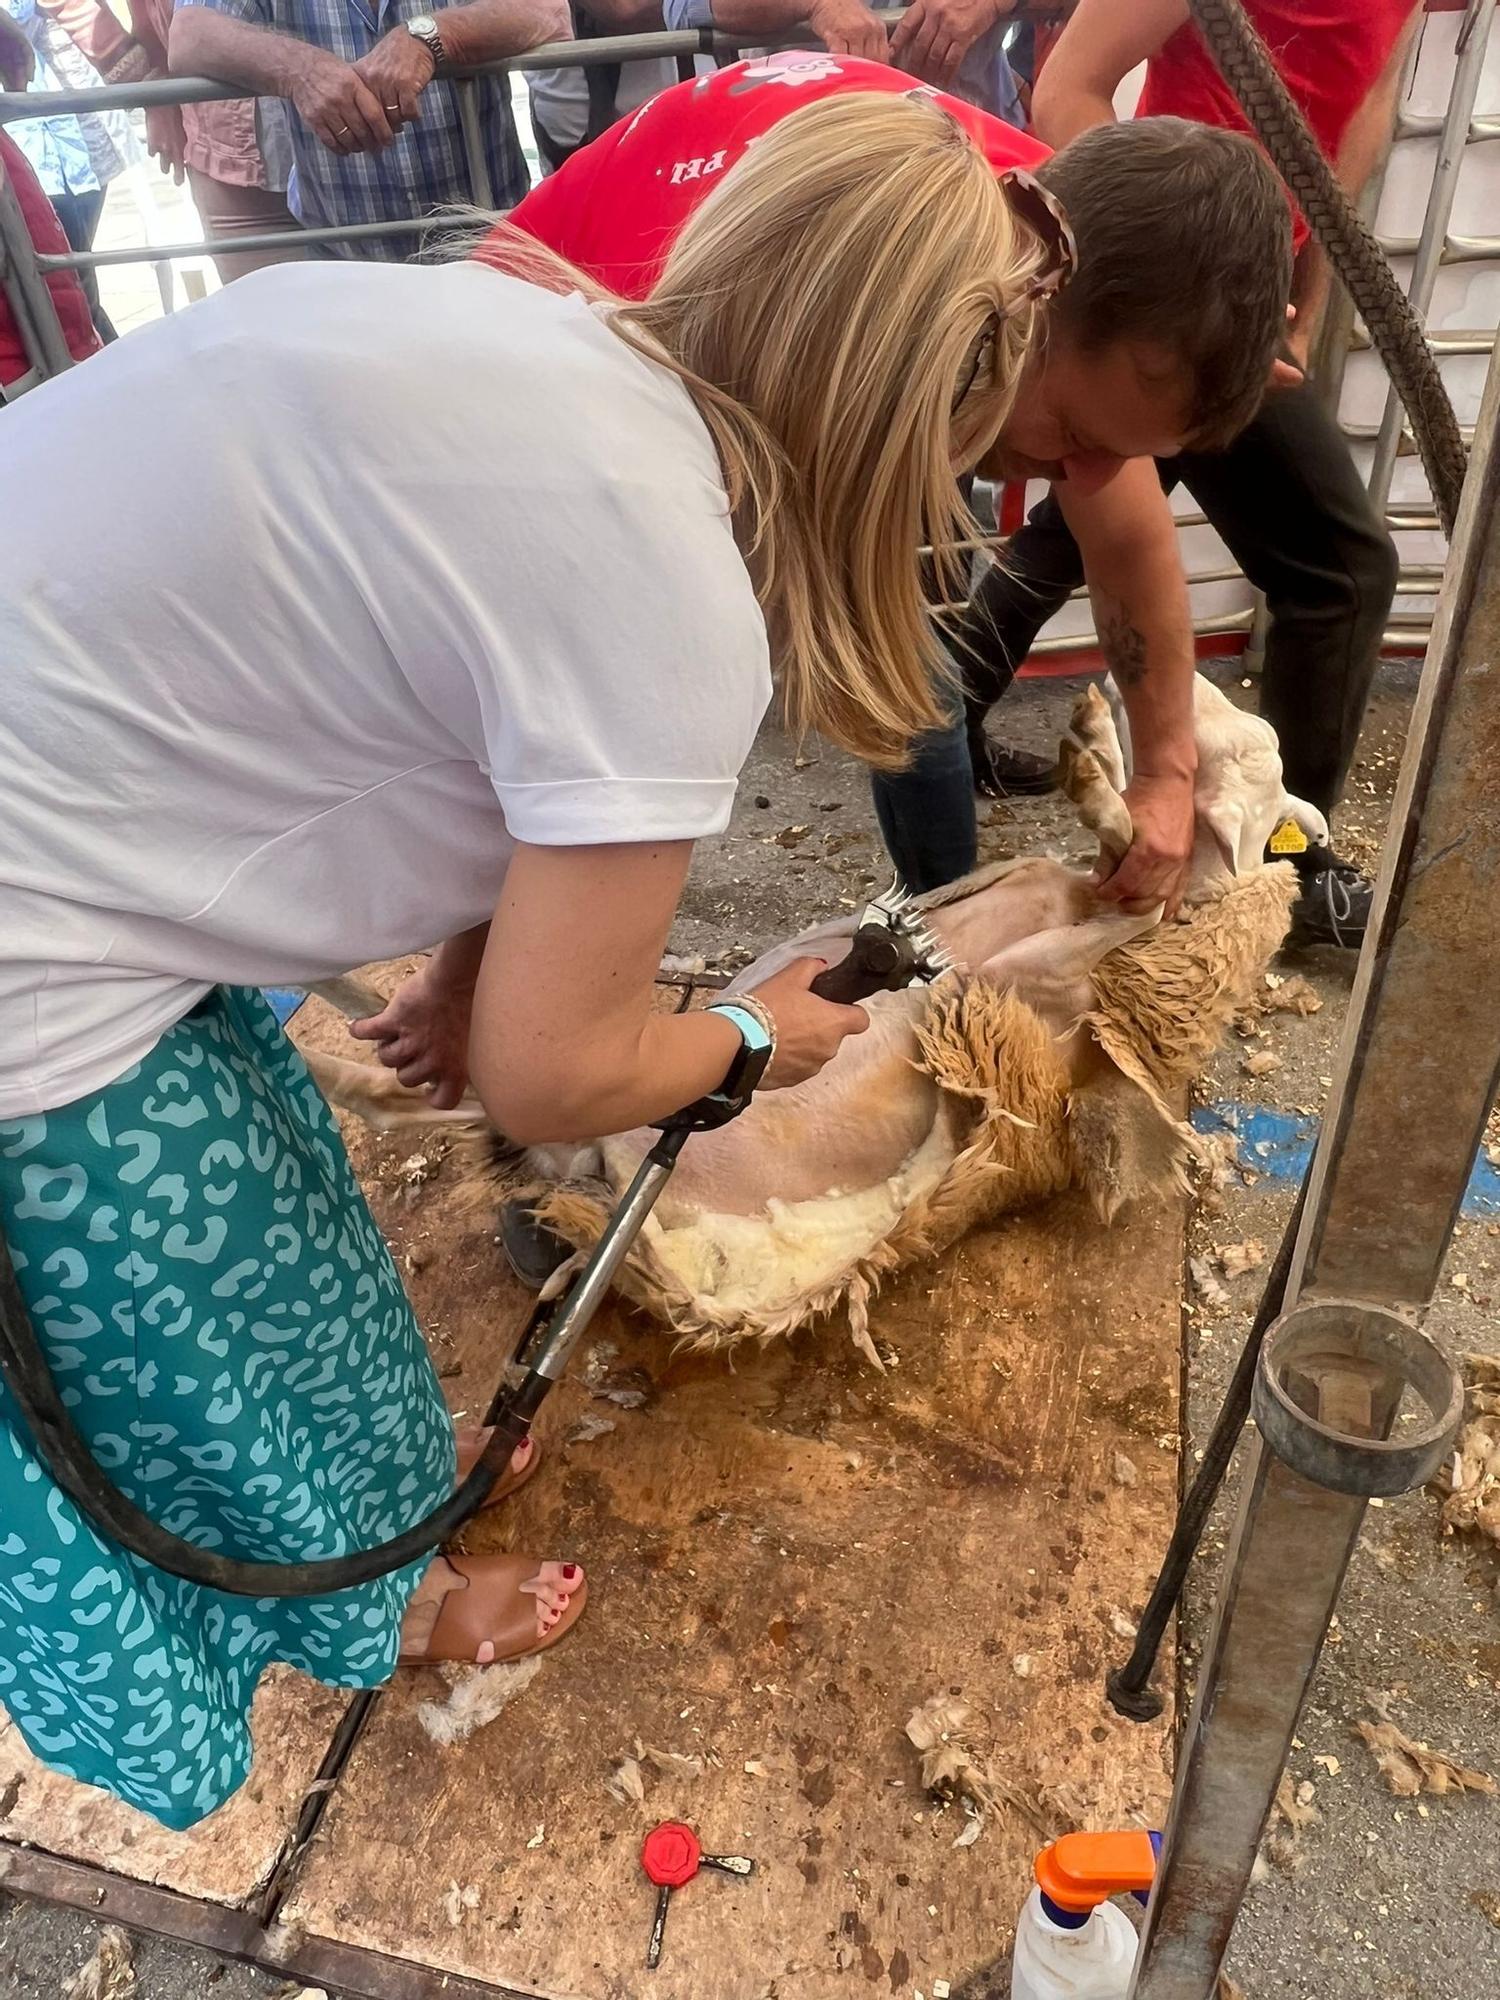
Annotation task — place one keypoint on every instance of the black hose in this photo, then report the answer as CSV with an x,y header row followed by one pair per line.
x,y
67,1457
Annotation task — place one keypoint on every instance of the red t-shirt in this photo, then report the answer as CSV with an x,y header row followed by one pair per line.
x,y
46,232
1330,54
614,208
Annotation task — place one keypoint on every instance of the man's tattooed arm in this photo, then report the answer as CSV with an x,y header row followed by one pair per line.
x,y
1122,643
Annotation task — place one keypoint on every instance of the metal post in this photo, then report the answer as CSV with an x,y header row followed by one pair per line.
x,y
1417,1071
1473,38
480,189
26,289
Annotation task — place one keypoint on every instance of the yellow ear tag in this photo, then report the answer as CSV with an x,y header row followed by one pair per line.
x,y
1288,839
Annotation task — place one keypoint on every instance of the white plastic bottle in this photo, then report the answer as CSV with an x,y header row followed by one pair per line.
x,y
1090,1958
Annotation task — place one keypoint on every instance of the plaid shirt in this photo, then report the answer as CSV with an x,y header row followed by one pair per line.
x,y
423,167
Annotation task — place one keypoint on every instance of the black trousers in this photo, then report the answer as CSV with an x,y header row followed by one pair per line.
x,y
1287,502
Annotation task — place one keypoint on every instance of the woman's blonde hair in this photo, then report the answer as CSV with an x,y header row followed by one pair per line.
x,y
847,311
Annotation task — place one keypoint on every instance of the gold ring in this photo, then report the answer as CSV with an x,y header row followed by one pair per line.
x,y
393,107
341,130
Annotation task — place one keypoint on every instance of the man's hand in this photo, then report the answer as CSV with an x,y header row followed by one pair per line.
x,y
166,140
933,36
398,69
334,99
423,1035
848,28
1161,811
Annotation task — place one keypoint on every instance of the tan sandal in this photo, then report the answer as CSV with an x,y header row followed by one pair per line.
x,y
468,1621
470,1444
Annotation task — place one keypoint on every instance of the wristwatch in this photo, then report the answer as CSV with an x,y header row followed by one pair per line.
x,y
425,28
757,1046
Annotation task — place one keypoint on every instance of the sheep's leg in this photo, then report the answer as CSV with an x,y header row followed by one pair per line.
x,y
1051,970
1100,806
1093,726
379,1099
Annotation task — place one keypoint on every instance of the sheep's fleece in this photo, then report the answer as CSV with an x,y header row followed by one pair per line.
x,y
1053,1058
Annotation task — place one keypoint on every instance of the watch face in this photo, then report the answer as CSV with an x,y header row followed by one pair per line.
x,y
421,24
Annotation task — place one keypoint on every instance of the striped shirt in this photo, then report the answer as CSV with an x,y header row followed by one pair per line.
x,y
424,165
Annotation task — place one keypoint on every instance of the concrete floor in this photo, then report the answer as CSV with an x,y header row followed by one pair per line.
x,y
1387,1896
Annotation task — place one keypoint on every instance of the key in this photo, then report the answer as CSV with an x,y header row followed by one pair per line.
x,y
671,1856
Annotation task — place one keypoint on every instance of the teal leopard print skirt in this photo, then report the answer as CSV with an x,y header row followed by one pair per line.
x,y
226,1325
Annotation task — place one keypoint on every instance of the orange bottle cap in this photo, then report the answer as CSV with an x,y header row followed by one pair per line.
x,y
1082,1870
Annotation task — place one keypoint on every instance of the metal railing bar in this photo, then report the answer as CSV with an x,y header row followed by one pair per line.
x,y
481,189
648,47
1434,244
1427,125
1456,249
1457,340
276,239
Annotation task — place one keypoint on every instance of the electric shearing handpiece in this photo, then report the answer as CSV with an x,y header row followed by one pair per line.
x,y
892,948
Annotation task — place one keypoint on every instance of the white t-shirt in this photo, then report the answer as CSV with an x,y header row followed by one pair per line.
x,y
312,599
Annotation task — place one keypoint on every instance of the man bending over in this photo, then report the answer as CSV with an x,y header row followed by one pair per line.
x,y
1163,339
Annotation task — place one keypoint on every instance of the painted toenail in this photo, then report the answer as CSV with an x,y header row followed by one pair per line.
x,y
570,1570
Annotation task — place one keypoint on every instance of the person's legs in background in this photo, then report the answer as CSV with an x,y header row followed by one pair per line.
x,y
992,635
79,215
1287,501
226,210
926,812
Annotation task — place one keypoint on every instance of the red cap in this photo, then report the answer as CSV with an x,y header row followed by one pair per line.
x,y
670,1854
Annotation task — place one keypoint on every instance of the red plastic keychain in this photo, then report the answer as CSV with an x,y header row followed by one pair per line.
x,y
671,1855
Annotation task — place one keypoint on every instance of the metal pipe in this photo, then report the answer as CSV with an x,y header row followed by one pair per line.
x,y
481,189
1454,249
351,232
549,1358
30,298
1416,1074
650,47
1286,1560
1473,39
1425,125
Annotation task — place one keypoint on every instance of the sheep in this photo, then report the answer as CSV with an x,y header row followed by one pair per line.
x,y
1055,1056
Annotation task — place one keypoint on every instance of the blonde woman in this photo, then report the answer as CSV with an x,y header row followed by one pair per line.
x,y
302,672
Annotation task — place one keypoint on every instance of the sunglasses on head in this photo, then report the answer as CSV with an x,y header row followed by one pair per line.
x,y
1043,215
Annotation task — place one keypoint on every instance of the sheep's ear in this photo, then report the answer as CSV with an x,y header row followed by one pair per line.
x,y
1308,818
1225,820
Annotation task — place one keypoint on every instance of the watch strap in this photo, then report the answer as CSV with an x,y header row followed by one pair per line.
x,y
750,1022
430,39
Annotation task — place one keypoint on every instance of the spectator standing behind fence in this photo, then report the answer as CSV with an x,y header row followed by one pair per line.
x,y
569,107
17,369
375,130
218,147
74,157
954,44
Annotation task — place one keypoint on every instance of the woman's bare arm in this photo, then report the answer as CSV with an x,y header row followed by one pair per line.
x,y
564,1043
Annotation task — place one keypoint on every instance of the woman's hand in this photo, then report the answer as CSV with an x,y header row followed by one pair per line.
x,y
423,1035
809,1031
